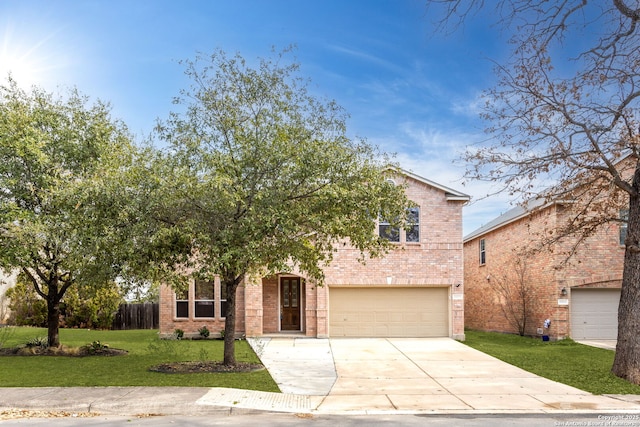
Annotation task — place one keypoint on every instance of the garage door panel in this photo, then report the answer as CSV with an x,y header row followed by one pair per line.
x,y
388,312
594,313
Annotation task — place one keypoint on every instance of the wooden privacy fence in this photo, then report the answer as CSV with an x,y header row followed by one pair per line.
x,y
137,316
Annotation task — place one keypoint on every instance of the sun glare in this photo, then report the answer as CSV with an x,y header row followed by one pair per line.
x,y
28,62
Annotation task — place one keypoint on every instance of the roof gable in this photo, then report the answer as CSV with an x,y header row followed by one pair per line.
x,y
450,194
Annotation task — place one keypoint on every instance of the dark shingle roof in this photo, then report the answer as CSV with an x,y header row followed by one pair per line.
x,y
514,214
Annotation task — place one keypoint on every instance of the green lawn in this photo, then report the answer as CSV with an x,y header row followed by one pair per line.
x,y
145,350
577,365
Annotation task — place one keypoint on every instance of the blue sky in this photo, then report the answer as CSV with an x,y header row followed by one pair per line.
x,y
408,90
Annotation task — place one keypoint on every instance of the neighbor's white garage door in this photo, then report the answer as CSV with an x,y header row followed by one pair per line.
x,y
388,312
594,314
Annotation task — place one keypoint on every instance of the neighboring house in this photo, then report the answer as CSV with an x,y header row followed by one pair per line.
x,y
6,281
503,273
414,291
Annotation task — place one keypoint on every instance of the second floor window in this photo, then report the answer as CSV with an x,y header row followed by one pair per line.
x,y
483,253
413,231
388,232
394,234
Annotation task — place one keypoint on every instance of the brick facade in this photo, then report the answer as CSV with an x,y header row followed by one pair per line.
x,y
550,275
436,260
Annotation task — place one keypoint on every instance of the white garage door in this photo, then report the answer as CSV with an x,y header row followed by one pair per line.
x,y
594,314
388,312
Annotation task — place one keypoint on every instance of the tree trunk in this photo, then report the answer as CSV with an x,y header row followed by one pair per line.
x,y
53,317
627,359
231,285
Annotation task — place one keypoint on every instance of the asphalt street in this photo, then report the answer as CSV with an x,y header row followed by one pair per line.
x,y
273,420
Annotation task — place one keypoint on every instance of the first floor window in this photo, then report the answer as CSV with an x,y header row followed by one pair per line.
x,y
223,301
182,303
204,299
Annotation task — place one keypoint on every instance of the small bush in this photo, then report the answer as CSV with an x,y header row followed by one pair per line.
x,y
42,342
96,347
179,333
204,332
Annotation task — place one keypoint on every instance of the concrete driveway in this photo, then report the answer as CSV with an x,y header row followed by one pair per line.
x,y
415,375
606,344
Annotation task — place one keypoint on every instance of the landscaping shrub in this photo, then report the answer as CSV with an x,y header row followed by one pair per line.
x,y
26,307
81,307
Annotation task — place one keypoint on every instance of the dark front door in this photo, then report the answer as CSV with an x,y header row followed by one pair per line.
x,y
290,303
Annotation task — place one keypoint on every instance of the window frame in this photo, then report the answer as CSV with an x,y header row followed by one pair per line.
x,y
179,298
223,300
186,302
204,302
415,226
482,249
391,231
401,235
624,224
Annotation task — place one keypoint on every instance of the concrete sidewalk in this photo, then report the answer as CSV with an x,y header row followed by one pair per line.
x,y
346,376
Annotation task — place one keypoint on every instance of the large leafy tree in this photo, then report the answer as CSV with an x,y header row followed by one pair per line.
x,y
259,176
564,117
57,225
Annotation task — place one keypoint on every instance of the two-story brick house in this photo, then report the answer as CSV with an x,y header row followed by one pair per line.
x,y
414,291
579,295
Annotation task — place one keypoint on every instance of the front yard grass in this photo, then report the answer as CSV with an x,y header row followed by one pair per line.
x,y
567,362
145,350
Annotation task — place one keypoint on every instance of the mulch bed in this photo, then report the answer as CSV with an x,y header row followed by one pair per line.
x,y
205,367
61,351
166,368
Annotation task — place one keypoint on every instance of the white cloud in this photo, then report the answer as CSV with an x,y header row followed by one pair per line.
x,y
470,107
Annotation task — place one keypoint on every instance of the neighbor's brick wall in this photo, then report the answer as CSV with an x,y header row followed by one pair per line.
x,y
598,259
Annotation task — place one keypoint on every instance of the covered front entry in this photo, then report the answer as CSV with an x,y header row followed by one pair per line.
x,y
290,304
594,313
389,312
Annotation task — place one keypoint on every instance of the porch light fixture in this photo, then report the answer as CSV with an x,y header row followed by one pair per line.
x,y
563,292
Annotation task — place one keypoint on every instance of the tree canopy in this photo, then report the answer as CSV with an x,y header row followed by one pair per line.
x,y
259,176
56,225
564,124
